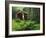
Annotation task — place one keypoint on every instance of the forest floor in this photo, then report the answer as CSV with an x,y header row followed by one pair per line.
x,y
21,25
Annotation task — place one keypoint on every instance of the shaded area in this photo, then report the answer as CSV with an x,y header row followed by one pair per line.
x,y
25,18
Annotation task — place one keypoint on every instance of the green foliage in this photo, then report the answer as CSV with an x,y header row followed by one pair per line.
x,y
19,25
32,22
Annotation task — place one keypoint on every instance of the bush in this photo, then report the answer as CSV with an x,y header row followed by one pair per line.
x,y
19,25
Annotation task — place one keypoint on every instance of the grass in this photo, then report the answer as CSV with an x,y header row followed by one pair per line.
x,y
21,25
